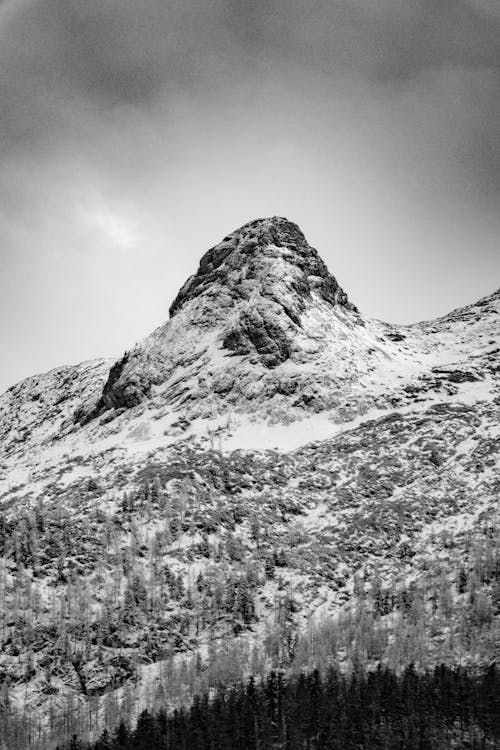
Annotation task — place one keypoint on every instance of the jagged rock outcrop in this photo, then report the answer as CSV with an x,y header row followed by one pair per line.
x,y
270,257
125,393
264,328
248,300
43,407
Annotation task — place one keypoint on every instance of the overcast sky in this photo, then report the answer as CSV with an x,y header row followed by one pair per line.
x,y
135,135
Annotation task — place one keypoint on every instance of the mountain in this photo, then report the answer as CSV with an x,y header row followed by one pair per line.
x,y
268,479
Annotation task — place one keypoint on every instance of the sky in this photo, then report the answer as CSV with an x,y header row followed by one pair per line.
x,y
135,135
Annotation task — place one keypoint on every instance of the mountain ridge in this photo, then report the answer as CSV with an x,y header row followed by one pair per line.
x,y
202,493
337,363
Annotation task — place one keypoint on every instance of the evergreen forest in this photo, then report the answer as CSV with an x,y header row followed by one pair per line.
x,y
376,710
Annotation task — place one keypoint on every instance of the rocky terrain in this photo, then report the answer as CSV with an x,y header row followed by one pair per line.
x,y
268,479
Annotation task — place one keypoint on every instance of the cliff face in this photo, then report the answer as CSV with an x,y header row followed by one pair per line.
x,y
269,258
261,300
263,328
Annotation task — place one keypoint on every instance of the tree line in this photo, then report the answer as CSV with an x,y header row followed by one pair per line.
x,y
367,710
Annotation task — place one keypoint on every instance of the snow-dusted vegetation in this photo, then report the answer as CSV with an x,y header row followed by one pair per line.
x,y
268,481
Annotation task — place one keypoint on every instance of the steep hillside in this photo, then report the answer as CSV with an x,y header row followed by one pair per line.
x,y
268,470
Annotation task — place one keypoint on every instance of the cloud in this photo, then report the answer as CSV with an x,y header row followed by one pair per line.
x,y
74,71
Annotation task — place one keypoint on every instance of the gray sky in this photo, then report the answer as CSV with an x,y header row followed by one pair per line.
x,y
135,135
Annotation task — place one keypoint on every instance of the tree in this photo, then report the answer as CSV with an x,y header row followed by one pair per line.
x,y
462,580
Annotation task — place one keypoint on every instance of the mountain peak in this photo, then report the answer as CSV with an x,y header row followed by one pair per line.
x,y
260,297
260,257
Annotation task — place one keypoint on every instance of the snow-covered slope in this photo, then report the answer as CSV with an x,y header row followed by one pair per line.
x,y
266,423
261,335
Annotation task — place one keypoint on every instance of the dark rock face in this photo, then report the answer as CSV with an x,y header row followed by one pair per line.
x,y
246,255
260,331
269,265
127,393
251,291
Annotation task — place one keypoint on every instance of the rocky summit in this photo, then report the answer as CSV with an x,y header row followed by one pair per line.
x,y
267,258
269,480
263,327
251,298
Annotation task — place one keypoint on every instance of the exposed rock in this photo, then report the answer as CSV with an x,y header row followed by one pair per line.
x,y
123,393
261,331
273,255
249,295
